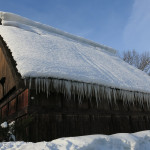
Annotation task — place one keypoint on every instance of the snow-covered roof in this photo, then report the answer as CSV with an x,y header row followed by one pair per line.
x,y
43,51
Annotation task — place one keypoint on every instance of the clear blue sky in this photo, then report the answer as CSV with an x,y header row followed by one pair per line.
x,y
120,24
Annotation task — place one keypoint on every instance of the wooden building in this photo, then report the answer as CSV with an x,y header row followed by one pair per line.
x,y
54,84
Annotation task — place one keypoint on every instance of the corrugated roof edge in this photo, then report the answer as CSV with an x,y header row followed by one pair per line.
x,y
13,17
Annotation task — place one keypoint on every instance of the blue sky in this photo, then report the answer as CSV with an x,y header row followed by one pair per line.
x,y
120,24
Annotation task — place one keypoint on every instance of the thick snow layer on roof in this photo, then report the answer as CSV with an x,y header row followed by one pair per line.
x,y
42,51
120,141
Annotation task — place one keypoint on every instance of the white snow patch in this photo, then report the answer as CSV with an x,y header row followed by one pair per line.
x,y
120,141
4,125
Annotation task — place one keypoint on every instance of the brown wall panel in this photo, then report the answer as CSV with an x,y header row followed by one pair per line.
x,y
12,107
5,72
22,100
4,111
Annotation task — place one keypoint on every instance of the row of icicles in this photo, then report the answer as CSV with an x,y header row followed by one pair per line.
x,y
72,89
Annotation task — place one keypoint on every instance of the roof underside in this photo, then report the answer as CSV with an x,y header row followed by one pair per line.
x,y
42,51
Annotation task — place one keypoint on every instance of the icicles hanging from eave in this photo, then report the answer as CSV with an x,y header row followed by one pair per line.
x,y
72,89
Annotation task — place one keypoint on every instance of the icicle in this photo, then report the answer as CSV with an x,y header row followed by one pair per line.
x,y
102,93
59,85
141,99
30,82
42,88
128,96
56,85
89,89
68,89
25,82
147,100
36,84
95,93
73,90
132,98
114,95
122,97
76,90
39,84
47,85
81,90
44,84
135,96
108,90
84,90
99,94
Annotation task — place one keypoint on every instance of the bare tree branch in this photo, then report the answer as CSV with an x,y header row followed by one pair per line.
x,y
140,61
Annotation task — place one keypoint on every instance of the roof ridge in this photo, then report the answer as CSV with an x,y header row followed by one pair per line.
x,y
6,16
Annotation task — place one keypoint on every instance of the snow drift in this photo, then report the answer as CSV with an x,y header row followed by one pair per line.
x,y
121,141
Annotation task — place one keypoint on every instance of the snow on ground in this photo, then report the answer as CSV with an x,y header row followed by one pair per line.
x,y
43,51
4,125
120,141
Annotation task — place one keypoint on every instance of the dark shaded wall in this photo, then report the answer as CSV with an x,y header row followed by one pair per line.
x,y
40,118
56,117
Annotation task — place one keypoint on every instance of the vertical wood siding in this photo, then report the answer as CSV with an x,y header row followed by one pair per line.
x,y
4,111
5,72
14,106
56,117
22,100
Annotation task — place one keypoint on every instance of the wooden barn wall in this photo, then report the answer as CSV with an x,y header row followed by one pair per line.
x,y
56,117
15,106
5,72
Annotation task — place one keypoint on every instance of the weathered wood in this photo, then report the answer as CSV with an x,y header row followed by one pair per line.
x,y
53,118
8,69
15,106
12,106
4,111
22,100
10,97
51,126
5,72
